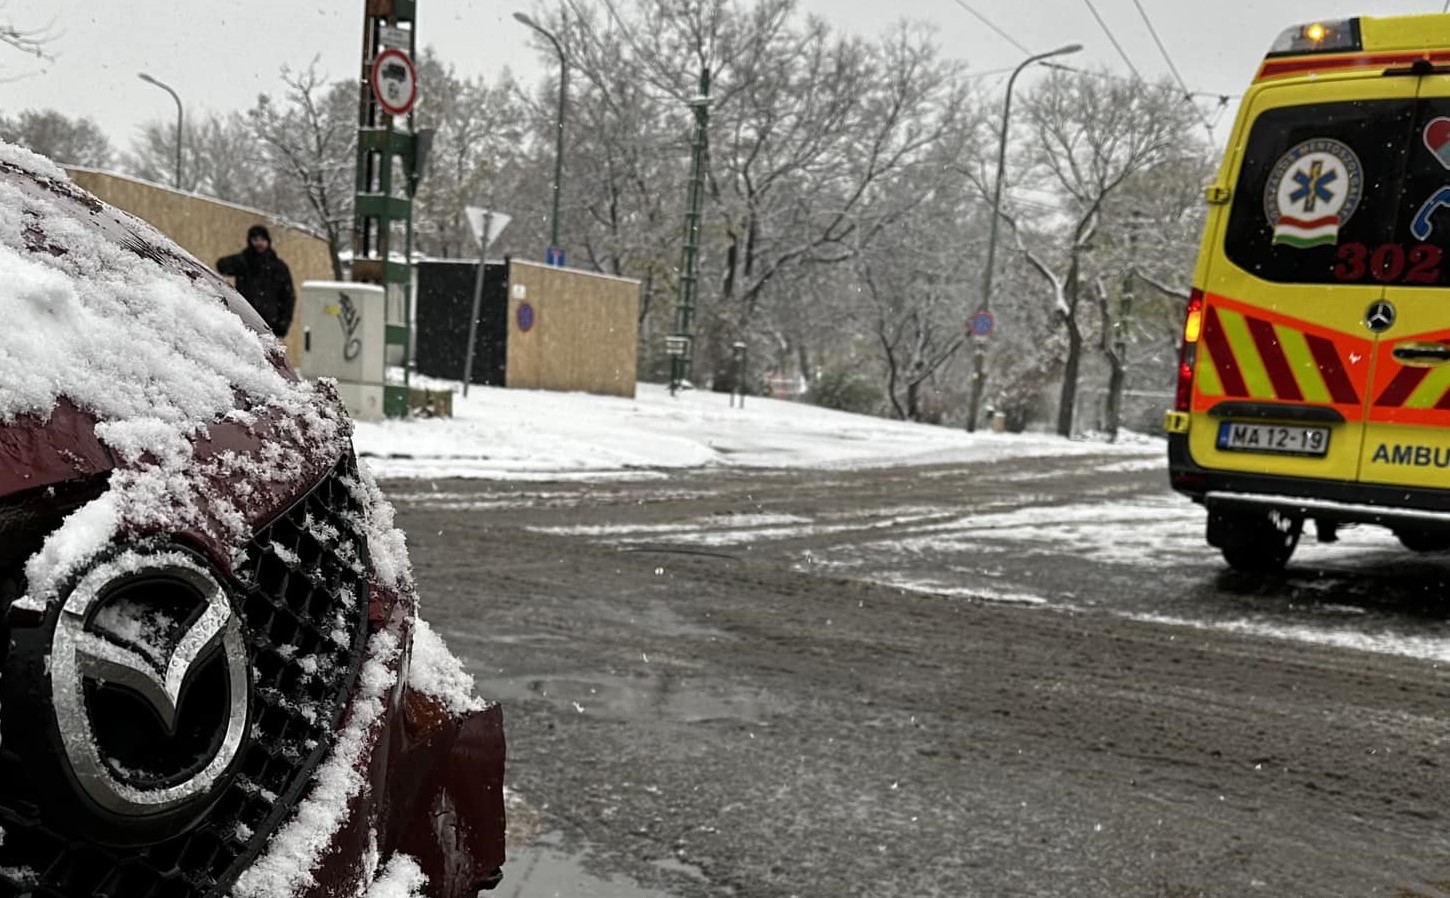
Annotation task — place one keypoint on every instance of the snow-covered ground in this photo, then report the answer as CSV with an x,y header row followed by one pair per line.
x,y
519,434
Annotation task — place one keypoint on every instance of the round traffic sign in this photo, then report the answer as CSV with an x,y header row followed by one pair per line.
x,y
982,324
395,82
525,317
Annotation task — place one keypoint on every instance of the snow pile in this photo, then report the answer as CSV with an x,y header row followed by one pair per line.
x,y
402,878
387,544
525,434
287,865
20,157
155,351
437,672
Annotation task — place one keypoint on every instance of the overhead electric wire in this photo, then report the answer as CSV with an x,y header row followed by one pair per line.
x,y
1172,67
1113,39
1222,99
990,72
1189,94
993,25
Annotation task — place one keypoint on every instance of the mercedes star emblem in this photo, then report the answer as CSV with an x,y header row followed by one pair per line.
x,y
1380,317
140,634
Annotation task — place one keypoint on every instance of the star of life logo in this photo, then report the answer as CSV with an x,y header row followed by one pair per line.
x,y
1312,192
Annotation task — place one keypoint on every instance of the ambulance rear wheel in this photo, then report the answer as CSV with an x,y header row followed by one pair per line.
x,y
1424,540
1256,542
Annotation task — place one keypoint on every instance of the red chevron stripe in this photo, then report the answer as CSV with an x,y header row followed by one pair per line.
x,y
1326,356
1223,356
1401,387
1275,362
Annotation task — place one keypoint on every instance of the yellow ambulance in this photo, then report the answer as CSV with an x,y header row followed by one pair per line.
x,y
1314,377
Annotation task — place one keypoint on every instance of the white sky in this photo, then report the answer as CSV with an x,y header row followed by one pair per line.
x,y
219,55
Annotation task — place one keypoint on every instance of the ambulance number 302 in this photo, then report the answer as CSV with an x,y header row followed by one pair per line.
x,y
1390,263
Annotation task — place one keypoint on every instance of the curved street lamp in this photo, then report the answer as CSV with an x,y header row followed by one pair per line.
x,y
524,19
979,374
149,80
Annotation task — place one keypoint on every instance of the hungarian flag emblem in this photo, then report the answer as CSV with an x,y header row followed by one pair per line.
x,y
1312,191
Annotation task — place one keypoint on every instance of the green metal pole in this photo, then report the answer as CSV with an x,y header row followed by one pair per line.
x,y
681,365
377,210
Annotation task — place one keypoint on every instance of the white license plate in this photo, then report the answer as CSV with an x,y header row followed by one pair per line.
x,y
1281,439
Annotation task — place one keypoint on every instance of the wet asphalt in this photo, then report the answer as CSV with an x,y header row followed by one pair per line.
x,y
1022,678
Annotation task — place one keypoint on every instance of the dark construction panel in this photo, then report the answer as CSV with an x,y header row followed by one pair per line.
x,y
445,299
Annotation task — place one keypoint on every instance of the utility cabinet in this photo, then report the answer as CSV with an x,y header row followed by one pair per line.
x,y
345,337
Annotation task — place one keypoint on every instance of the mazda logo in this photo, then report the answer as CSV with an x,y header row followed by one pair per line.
x,y
1380,317
150,685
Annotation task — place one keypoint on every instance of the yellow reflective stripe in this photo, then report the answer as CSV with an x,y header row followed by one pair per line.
x,y
1301,361
1430,389
1206,374
1251,367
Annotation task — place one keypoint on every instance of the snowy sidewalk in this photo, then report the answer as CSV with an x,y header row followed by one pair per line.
x,y
528,435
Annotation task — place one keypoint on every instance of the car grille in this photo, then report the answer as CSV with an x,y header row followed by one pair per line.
x,y
302,591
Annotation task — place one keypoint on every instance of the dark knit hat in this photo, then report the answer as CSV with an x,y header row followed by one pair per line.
x,y
259,231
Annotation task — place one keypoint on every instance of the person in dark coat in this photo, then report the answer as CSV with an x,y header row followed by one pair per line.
x,y
263,279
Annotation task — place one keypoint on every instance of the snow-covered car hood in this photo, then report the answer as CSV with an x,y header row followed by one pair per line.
x,y
124,358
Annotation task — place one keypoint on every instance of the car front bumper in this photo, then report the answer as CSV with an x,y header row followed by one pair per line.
x,y
433,791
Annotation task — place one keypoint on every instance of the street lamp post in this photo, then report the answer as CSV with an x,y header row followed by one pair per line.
x,y
524,19
979,360
166,87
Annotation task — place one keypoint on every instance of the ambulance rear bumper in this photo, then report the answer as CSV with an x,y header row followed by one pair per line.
x,y
1331,500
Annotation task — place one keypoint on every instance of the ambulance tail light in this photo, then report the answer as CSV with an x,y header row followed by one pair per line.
x,y
1337,36
1188,354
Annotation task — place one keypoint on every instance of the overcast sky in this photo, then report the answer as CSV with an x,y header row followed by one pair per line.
x,y
219,55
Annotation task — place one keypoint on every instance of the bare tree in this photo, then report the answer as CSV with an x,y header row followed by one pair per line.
x,y
477,127
31,41
310,138
1147,245
1091,133
632,148
803,157
916,282
69,141
839,232
221,157
152,156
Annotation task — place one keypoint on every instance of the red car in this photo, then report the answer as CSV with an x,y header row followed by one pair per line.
x,y
213,679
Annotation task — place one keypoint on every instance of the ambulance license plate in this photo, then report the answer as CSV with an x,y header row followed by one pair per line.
x,y
1279,439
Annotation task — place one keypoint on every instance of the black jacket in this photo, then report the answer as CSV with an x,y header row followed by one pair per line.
x,y
265,281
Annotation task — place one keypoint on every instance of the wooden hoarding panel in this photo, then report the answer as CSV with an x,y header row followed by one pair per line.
x,y
579,333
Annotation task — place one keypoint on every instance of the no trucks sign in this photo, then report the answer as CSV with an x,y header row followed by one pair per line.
x,y
395,82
